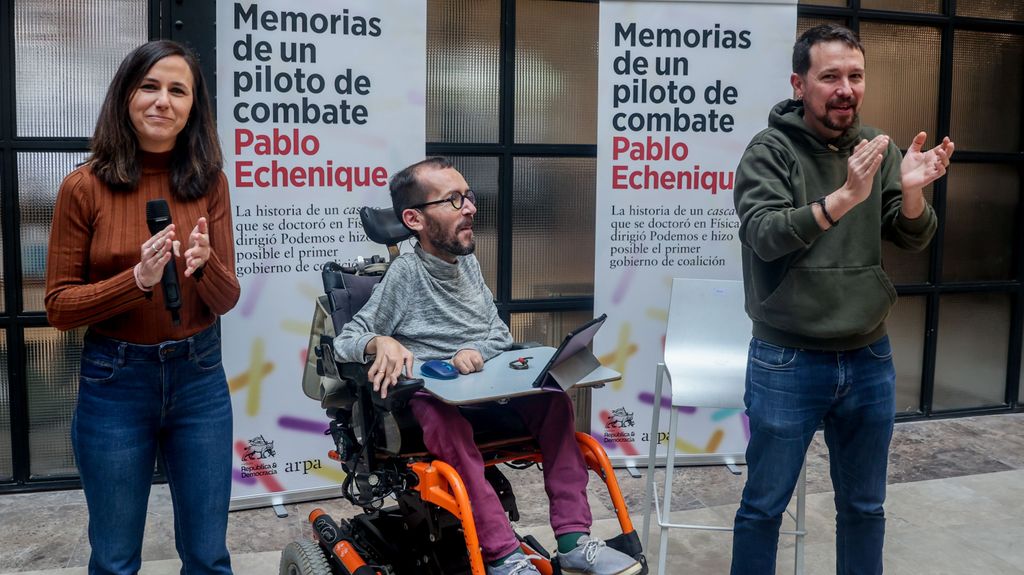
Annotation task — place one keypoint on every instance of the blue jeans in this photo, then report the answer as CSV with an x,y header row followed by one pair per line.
x,y
135,401
789,392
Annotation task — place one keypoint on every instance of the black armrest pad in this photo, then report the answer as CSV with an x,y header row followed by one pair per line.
x,y
355,372
398,396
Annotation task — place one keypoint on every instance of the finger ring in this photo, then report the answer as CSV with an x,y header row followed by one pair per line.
x,y
156,250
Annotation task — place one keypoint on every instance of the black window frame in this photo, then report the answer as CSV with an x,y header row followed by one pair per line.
x,y
195,24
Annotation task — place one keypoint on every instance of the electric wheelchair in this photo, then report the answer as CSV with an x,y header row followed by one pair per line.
x,y
428,527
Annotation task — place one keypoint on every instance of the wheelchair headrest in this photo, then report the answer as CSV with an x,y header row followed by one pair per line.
x,y
383,226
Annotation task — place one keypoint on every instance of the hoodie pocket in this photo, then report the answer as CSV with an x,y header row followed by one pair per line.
x,y
831,302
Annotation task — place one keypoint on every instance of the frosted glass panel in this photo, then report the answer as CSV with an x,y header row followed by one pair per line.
x,y
553,227
933,6
907,267
988,73
981,206
546,328
902,95
65,56
998,9
481,174
906,334
463,57
804,23
39,178
6,461
51,376
970,364
823,2
556,72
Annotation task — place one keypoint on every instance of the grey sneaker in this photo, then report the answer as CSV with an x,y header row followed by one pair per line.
x,y
517,564
593,557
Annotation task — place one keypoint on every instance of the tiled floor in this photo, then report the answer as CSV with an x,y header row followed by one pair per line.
x,y
955,506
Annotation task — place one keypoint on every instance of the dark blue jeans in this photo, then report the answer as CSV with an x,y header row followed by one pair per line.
x,y
789,393
135,401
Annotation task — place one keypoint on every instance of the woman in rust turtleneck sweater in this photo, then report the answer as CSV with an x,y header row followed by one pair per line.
x,y
149,385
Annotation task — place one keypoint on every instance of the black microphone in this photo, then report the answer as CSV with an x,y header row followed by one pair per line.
x,y
158,217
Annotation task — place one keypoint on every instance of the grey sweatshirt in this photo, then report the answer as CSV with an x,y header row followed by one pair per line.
x,y
432,307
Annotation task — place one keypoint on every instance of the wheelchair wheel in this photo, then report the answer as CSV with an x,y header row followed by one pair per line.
x,y
304,557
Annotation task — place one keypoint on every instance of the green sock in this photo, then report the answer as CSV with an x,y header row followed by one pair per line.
x,y
502,560
569,541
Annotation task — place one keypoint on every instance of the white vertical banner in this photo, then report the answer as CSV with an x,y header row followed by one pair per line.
x,y
683,87
318,103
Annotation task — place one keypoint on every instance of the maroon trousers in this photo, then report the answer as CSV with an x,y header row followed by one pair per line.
x,y
549,417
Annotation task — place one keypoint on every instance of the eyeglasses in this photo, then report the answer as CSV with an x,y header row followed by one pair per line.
x,y
457,199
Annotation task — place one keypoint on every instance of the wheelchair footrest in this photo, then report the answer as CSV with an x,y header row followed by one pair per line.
x,y
629,543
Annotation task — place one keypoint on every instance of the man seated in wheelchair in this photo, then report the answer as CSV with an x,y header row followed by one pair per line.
x,y
434,304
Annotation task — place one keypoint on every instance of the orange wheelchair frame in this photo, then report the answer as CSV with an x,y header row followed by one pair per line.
x,y
440,485
379,446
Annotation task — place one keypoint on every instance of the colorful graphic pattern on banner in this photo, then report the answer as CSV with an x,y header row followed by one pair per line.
x,y
318,104
683,87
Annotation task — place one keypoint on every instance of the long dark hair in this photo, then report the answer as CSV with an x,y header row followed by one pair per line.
x,y
196,158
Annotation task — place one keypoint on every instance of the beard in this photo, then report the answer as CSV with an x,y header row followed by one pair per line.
x,y
840,125
449,240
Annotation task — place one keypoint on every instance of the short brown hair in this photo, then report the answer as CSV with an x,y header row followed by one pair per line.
x,y
406,189
817,35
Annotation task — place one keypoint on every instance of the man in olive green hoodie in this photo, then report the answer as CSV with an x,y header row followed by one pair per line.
x,y
816,193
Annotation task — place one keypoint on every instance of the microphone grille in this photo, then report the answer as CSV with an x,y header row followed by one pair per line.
x,y
157,209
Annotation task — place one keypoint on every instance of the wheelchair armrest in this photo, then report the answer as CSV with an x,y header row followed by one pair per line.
x,y
398,396
524,344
